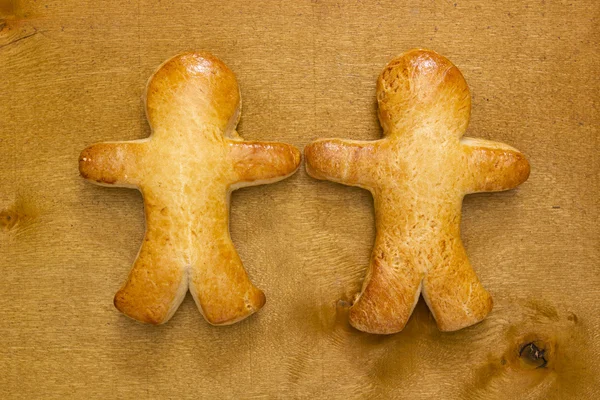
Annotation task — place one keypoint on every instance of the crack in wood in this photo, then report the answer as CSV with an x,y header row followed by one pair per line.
x,y
19,39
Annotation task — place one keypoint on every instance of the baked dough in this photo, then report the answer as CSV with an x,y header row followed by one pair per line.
x,y
418,174
186,171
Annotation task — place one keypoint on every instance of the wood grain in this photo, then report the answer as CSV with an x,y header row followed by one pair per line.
x,y
72,73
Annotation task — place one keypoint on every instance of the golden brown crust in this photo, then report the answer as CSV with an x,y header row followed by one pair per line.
x,y
262,161
110,163
192,89
185,171
422,86
340,160
418,175
493,166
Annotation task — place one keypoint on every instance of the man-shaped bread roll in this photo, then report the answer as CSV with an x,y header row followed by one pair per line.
x,y
186,171
418,174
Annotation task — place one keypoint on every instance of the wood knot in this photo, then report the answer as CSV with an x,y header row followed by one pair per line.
x,y
8,219
533,355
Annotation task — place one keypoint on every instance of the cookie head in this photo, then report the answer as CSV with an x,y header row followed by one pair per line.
x,y
421,87
192,90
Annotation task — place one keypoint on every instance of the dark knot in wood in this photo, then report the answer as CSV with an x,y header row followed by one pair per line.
x,y
8,219
533,355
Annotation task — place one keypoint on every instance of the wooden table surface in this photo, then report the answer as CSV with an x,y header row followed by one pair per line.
x,y
72,73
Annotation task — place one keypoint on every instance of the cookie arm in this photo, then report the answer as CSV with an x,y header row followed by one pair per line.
x,y
342,161
256,163
492,166
111,163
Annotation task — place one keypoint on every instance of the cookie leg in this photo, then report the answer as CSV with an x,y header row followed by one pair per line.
x,y
390,292
221,287
156,285
454,294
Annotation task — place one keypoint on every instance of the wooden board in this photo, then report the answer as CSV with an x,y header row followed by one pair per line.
x,y
72,73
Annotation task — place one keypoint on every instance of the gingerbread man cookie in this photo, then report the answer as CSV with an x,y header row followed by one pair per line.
x,y
418,174
186,171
